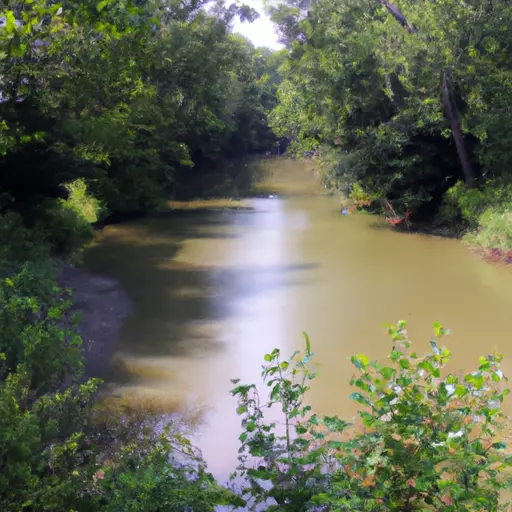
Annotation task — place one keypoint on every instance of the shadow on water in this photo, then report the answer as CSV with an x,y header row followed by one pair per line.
x,y
178,304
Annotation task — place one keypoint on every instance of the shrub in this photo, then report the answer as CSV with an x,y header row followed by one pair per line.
x,y
65,230
465,204
425,439
19,243
82,202
61,449
36,327
494,231
360,197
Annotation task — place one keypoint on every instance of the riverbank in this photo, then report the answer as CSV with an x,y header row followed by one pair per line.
x,y
470,239
103,307
495,255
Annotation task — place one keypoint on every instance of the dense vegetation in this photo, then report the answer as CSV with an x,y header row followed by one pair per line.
x,y
112,106
424,438
407,101
106,107
129,100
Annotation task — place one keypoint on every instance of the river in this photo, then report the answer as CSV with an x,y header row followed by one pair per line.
x,y
214,289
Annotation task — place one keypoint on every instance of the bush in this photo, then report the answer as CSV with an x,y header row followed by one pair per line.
x,y
36,327
66,224
65,230
360,197
494,231
19,243
82,202
465,204
61,449
61,226
426,440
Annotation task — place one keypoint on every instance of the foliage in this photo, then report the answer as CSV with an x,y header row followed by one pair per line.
x,y
61,447
82,202
425,439
485,211
494,231
144,479
33,330
470,204
125,100
360,197
21,243
384,102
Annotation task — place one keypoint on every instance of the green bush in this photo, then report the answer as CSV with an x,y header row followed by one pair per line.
x,y
36,327
494,231
64,229
61,226
19,243
82,202
465,204
61,449
425,440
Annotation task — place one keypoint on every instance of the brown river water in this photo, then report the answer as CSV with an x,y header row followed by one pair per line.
x,y
214,289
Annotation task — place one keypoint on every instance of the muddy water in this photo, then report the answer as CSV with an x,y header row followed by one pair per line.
x,y
213,290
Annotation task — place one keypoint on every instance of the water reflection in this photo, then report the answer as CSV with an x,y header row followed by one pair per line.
x,y
213,290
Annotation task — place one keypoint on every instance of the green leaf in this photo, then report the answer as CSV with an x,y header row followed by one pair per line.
x,y
360,361
395,355
10,22
335,445
387,372
101,5
405,364
460,390
308,343
357,397
427,366
241,409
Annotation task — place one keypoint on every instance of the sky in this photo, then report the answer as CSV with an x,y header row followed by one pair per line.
x,y
260,32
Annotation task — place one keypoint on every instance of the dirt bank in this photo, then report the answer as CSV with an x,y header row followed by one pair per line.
x,y
104,306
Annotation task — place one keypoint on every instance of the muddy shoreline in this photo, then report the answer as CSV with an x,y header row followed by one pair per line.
x,y
103,306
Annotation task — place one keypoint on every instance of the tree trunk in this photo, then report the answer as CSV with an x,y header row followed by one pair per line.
x,y
450,110
458,137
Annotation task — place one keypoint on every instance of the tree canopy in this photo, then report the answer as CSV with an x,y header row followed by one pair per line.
x,y
405,98
128,95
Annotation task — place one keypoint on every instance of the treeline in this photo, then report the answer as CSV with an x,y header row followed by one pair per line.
x,y
129,100
408,101
106,106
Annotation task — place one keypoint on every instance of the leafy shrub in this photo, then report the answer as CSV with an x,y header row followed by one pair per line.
x,y
468,204
360,197
146,476
426,439
64,229
47,459
61,225
19,243
82,202
36,327
494,231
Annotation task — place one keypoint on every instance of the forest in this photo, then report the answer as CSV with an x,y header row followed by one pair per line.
x,y
407,102
109,108
129,101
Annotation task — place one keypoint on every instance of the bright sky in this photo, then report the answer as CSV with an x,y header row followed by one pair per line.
x,y
261,32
